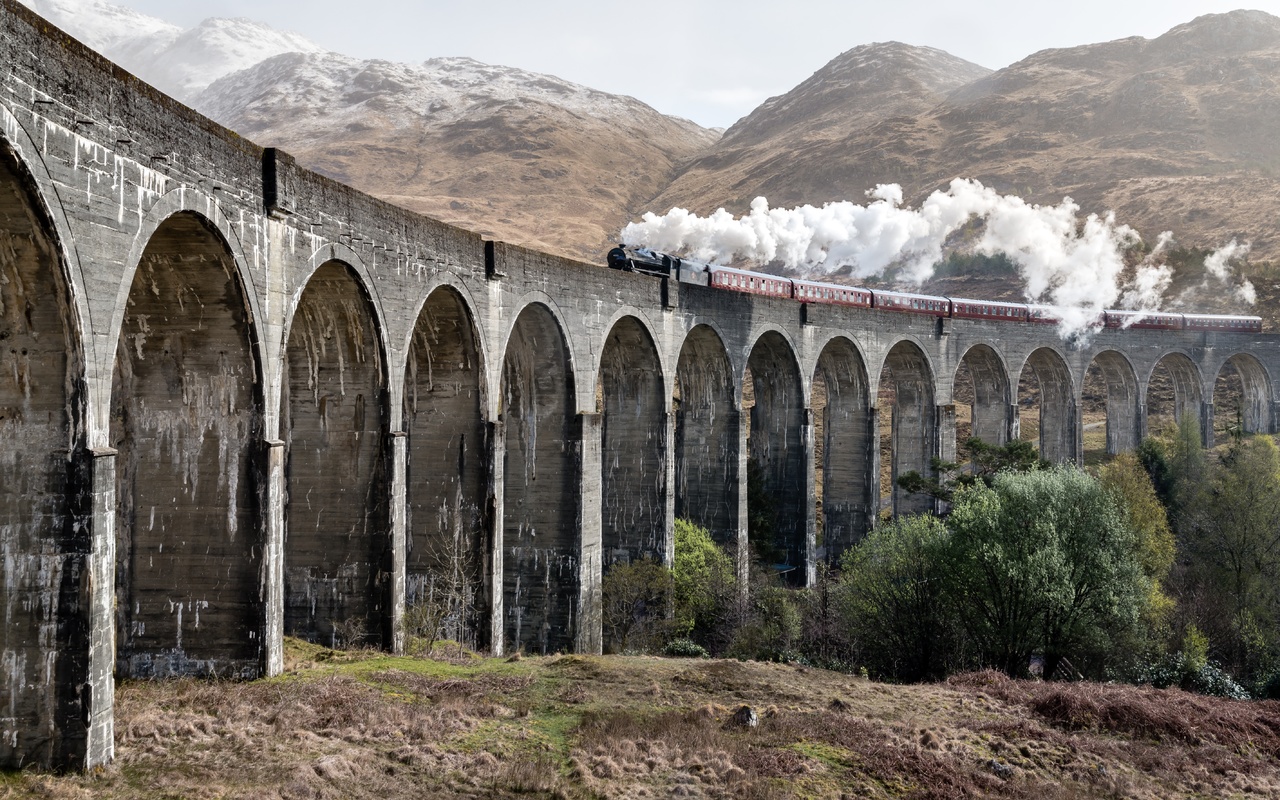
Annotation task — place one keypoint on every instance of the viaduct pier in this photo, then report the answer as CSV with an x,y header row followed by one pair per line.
x,y
239,400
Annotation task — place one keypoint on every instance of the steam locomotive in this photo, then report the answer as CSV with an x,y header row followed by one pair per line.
x,y
685,270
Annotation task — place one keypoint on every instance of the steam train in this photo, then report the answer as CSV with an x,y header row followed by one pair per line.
x,y
685,270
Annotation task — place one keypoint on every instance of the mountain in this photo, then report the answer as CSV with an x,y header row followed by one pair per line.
x,y
180,63
1174,133
784,148
524,157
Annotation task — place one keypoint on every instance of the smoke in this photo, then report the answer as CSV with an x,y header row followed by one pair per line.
x,y
1220,279
1077,265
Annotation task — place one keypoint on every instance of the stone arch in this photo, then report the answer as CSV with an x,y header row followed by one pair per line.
x,y
907,384
1173,391
987,393
844,449
1046,382
187,414
541,544
706,437
1248,394
633,446
773,392
447,550
334,410
1123,400
43,534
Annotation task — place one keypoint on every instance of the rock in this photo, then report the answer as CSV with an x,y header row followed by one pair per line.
x,y
745,717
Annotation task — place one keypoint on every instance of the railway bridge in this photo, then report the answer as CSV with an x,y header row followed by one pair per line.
x,y
239,400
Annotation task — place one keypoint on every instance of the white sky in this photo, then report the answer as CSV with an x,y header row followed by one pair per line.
x,y
712,62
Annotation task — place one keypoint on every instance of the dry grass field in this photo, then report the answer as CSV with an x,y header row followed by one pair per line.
x,y
368,725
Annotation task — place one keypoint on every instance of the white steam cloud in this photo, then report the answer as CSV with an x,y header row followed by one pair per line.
x,y
1074,264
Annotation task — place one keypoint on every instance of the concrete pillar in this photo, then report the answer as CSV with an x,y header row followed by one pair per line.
x,y
809,498
497,446
873,460
399,453
1076,427
739,429
1206,423
589,636
273,560
944,440
1014,423
98,695
669,489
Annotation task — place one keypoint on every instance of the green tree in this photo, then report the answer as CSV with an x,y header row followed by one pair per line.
x,y
636,599
1043,563
1232,537
704,581
985,462
892,593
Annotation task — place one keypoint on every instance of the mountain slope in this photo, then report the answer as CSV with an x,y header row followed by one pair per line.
x,y
180,63
1175,133
524,157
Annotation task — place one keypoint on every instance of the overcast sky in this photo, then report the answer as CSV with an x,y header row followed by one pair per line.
x,y
712,62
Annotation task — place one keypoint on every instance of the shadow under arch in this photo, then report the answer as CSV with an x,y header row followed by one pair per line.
x,y
46,640
844,452
633,446
1123,400
1242,388
906,383
334,412
1046,380
987,392
447,547
1173,391
706,438
541,545
773,394
187,412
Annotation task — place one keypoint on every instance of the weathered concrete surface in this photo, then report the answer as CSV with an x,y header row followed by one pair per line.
x,y
315,392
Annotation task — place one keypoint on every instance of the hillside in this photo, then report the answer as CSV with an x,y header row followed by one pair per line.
x,y
515,155
1174,133
365,725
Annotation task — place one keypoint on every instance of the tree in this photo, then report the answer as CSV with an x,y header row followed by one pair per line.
x,y
892,593
1129,482
1232,536
636,596
704,580
986,461
1044,563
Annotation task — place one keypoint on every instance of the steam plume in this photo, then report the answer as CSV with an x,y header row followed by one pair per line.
x,y
1074,264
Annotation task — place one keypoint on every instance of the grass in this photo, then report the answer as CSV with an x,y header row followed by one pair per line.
x,y
369,725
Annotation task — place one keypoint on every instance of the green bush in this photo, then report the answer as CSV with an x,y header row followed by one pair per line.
x,y
685,648
636,598
705,583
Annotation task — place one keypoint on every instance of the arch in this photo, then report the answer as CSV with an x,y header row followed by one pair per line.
x,y
987,393
42,401
540,546
633,446
844,450
1045,380
907,384
639,318
447,549
187,414
187,203
706,436
1248,396
773,393
334,417
1173,391
1123,401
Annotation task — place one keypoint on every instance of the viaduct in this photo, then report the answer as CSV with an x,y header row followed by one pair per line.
x,y
239,400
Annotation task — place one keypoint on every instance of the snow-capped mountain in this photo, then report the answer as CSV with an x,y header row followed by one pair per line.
x,y
525,157
180,63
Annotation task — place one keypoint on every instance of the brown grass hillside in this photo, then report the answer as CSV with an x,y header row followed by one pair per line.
x,y
367,725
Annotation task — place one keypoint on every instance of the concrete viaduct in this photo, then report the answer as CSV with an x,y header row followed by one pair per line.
x,y
239,400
